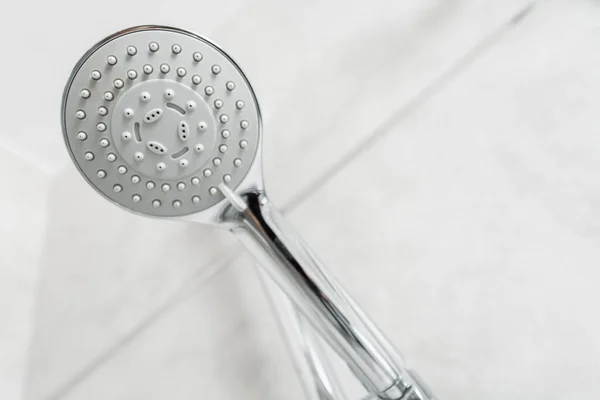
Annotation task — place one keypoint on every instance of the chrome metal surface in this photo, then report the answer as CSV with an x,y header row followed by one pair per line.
x,y
317,295
312,365
239,204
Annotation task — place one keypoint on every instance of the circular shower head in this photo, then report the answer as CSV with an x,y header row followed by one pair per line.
x,y
156,118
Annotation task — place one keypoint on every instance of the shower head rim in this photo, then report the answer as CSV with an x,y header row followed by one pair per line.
x,y
252,181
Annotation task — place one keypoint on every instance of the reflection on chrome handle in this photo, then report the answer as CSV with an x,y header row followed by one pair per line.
x,y
319,298
310,361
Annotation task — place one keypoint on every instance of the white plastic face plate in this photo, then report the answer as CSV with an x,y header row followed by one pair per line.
x,y
156,118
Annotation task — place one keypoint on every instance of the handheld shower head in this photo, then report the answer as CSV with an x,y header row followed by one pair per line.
x,y
155,118
164,123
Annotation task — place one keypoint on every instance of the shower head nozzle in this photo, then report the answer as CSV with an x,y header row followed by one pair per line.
x,y
156,118
164,123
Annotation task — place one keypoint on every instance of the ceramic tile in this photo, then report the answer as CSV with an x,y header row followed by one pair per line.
x,y
21,234
220,342
471,232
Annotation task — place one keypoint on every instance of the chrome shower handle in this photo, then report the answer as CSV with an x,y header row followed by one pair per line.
x,y
289,262
311,363
126,171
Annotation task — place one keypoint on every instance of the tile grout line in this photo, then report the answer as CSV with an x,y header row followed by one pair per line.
x,y
226,258
189,287
435,87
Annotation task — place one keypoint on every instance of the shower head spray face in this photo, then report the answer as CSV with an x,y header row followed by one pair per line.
x,y
156,118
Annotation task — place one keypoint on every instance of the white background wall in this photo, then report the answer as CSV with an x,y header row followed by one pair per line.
x,y
442,156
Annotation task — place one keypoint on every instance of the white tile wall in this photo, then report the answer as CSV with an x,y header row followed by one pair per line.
x,y
466,214
220,341
22,220
473,237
